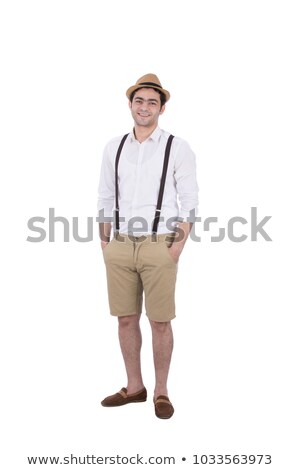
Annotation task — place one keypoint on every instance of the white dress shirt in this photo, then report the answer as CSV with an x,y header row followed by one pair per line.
x,y
139,171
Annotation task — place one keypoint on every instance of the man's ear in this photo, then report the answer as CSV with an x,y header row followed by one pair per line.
x,y
129,104
162,109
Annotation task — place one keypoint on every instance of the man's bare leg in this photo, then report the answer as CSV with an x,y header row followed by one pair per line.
x,y
162,341
131,342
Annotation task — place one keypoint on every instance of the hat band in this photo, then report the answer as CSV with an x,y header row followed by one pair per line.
x,y
150,84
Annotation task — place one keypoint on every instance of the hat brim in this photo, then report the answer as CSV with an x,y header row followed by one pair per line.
x,y
137,87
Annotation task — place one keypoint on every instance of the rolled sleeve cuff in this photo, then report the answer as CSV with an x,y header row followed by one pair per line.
x,y
187,216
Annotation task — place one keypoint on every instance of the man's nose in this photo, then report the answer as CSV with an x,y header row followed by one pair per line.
x,y
144,106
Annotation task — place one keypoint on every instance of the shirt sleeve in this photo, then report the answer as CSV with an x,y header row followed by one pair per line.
x,y
186,181
106,188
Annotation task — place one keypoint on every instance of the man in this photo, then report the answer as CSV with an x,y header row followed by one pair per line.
x,y
143,255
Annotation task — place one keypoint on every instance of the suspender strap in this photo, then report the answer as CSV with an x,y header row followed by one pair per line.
x,y
161,188
117,182
162,185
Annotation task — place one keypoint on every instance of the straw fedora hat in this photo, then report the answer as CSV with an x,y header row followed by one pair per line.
x,y
148,81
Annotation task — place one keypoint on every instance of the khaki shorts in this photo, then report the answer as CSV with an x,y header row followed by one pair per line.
x,y
141,265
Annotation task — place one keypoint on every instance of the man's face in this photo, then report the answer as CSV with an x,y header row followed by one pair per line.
x,y
145,107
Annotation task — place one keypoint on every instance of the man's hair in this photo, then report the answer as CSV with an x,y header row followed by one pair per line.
x,y
161,94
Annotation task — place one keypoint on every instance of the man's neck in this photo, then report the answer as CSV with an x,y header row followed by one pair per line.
x,y
142,133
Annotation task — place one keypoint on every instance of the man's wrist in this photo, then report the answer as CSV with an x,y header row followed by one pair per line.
x,y
177,247
104,232
104,243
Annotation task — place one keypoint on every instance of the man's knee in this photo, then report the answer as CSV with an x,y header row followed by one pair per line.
x,y
129,320
160,327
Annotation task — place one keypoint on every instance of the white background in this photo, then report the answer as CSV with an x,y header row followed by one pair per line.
x,y
232,68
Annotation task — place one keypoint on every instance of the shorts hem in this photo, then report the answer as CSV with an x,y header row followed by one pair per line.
x,y
160,319
126,314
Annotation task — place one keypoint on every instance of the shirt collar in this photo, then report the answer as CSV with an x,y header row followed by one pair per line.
x,y
155,136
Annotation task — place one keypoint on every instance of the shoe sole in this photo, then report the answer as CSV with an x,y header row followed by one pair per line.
x,y
164,417
123,404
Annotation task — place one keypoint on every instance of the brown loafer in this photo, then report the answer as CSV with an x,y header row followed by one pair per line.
x,y
163,407
122,398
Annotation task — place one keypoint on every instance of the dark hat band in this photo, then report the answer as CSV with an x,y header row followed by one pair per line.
x,y
150,84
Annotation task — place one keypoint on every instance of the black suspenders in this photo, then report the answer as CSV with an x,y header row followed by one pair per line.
x,y
161,188
117,182
162,185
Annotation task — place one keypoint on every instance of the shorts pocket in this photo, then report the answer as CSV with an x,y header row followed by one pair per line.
x,y
165,243
107,247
